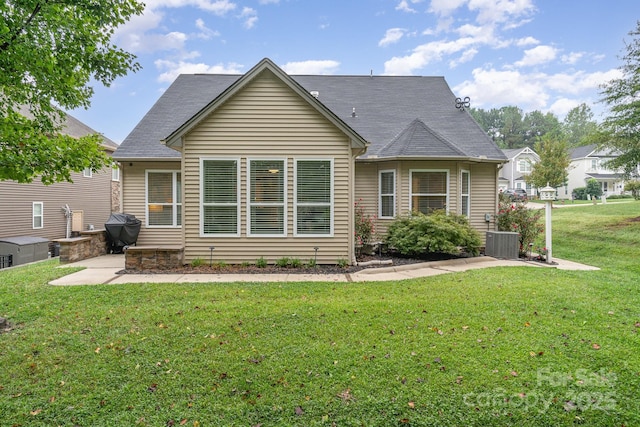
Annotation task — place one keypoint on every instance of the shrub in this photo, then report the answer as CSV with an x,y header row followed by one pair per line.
x,y
343,263
579,193
634,188
196,262
516,217
438,232
364,225
295,263
282,262
312,263
261,262
593,188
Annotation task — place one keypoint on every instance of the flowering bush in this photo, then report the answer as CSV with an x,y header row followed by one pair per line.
x,y
365,226
516,217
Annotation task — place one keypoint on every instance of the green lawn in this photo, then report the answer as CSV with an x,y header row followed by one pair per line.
x,y
503,346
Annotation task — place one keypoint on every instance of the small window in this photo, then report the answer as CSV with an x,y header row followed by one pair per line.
x,y
38,215
115,172
87,173
466,193
524,165
164,199
267,197
314,198
387,186
429,190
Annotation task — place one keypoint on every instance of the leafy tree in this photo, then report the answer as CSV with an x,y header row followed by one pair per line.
x,y
620,128
593,189
537,124
634,188
553,167
516,217
49,53
579,125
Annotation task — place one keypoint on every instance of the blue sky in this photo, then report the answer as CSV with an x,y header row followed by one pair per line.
x,y
548,55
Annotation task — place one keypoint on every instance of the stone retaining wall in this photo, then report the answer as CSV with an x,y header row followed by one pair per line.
x,y
90,244
141,258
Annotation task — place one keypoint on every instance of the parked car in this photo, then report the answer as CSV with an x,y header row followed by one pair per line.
x,y
516,194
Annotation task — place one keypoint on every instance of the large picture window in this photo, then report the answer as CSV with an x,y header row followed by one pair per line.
x,y
267,197
314,197
220,197
387,186
429,190
164,199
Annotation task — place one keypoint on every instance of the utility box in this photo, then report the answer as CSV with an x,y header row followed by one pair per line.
x,y
24,249
502,244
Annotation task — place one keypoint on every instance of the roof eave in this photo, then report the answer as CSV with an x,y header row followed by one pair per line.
x,y
174,140
480,159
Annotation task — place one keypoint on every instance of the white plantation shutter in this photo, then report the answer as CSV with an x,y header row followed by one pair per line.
x,y
314,197
387,194
429,190
267,197
220,201
164,199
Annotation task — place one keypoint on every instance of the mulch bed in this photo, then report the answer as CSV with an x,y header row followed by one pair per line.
x,y
319,269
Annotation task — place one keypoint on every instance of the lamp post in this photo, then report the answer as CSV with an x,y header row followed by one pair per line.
x,y
548,195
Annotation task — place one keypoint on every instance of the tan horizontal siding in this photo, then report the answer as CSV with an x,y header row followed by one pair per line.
x,y
133,202
484,196
90,195
266,119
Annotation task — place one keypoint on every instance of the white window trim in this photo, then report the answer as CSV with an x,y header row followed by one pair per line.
x,y
238,196
87,173
380,194
295,197
284,202
115,172
411,194
468,195
34,216
175,206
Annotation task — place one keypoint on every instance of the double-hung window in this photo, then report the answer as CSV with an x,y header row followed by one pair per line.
x,y
267,197
313,208
164,199
38,215
220,197
428,190
465,178
387,186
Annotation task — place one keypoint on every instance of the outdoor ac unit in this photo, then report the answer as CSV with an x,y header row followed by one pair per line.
x,y
502,244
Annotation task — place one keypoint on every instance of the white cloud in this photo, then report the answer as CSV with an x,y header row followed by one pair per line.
x,y
534,91
526,41
311,67
501,11
445,7
269,1
426,54
404,6
538,55
173,69
393,35
205,33
250,17
572,57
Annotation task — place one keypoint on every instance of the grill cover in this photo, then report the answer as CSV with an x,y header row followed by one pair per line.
x,y
122,230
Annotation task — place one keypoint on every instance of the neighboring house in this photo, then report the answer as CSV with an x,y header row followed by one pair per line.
x,y
589,162
270,165
38,210
514,172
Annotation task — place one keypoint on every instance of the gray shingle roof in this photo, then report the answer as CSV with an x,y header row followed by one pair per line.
x,y
385,107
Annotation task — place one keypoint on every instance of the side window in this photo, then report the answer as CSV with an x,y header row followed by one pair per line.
x,y
38,215
387,186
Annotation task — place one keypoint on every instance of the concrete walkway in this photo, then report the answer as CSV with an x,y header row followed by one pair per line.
x,y
104,270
